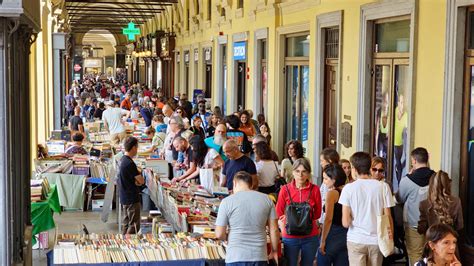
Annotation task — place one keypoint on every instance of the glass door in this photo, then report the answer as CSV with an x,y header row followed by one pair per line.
x,y
208,81
264,91
297,88
390,116
241,78
467,149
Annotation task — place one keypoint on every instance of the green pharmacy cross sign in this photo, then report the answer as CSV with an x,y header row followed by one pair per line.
x,y
131,31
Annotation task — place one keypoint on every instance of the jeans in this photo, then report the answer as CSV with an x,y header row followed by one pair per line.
x,y
336,248
248,263
307,246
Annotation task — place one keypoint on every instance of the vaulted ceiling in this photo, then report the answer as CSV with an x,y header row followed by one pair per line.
x,y
111,15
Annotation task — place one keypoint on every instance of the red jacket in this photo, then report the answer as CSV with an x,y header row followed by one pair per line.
x,y
300,195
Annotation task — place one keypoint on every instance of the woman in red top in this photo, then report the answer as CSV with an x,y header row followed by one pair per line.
x,y
246,125
301,190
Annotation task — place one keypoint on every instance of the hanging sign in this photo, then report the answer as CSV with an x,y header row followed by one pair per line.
x,y
77,67
239,50
186,56
196,55
131,31
207,54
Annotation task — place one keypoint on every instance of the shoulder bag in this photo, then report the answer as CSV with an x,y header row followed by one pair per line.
x,y
385,243
299,216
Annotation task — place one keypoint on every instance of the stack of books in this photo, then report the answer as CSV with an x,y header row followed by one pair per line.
x,y
80,164
107,248
99,137
53,166
39,189
100,169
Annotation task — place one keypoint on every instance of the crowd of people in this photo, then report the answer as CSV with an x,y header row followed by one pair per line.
x,y
334,224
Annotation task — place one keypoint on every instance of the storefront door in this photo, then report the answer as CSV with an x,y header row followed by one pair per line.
x,y
297,89
467,149
208,81
390,116
330,110
241,78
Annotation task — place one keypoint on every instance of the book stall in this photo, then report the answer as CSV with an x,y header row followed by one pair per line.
x,y
180,232
44,202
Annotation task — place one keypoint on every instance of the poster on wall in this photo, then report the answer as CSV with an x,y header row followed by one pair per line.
x,y
305,111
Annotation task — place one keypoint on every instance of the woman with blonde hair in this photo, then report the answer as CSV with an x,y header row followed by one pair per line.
x,y
440,206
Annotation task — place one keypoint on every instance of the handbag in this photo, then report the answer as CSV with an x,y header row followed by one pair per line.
x,y
384,241
279,181
299,216
206,178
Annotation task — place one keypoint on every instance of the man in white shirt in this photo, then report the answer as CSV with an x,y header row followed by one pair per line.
x,y
362,200
113,120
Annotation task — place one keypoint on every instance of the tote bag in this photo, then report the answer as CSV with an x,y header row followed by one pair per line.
x,y
206,178
386,244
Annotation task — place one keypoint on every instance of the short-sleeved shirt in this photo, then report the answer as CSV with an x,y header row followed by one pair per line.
x,y
69,102
246,214
98,113
76,150
161,128
147,115
364,198
210,157
287,165
210,144
75,122
231,167
267,173
129,192
113,117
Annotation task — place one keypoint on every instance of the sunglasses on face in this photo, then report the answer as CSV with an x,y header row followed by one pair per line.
x,y
381,171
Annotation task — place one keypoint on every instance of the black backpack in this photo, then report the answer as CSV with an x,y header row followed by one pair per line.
x,y
299,216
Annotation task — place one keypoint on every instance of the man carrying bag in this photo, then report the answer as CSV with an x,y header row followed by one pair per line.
x,y
366,205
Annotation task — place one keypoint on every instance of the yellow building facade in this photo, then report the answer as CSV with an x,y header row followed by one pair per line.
x,y
275,22
380,76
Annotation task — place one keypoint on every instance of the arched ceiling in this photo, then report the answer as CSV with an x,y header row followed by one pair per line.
x,y
111,15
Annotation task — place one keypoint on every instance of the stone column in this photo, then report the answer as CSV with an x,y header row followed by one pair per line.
x,y
15,170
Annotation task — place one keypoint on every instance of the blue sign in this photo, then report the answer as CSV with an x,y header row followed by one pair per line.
x,y
239,50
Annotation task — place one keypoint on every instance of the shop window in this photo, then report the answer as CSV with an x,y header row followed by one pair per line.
x,y
332,43
392,37
197,7
297,88
187,19
222,12
209,9
240,4
467,129
297,46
